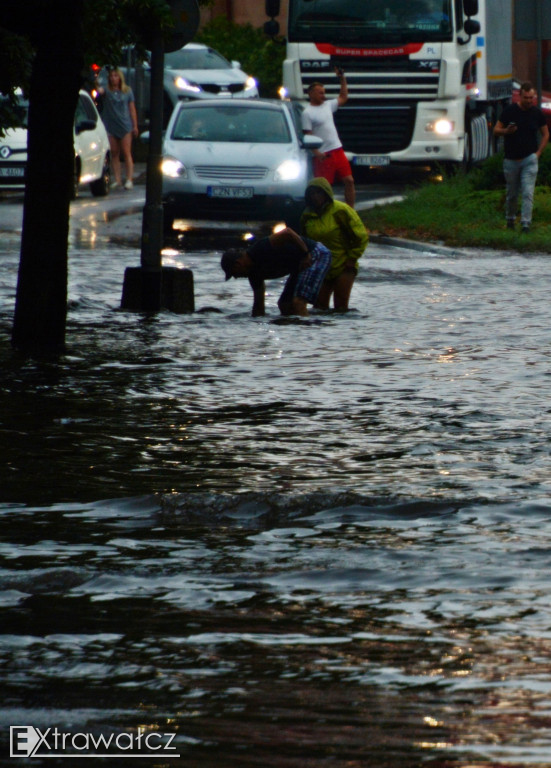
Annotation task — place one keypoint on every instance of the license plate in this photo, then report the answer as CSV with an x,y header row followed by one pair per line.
x,y
371,160
234,193
17,172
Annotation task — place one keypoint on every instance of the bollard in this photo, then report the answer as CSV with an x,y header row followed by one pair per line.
x,y
177,293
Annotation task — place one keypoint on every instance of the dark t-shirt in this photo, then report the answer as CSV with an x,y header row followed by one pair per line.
x,y
526,139
269,264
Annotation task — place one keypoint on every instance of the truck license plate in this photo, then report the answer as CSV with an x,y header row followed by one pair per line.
x,y
234,193
371,160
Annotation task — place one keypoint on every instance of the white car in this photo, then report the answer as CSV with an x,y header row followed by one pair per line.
x,y
92,154
195,71
236,158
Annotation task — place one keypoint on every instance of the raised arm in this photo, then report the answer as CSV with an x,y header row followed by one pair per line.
x,y
342,98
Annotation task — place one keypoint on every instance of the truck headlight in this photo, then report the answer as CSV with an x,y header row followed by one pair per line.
x,y
250,84
289,170
173,168
442,126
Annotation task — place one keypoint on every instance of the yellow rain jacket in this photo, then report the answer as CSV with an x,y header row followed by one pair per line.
x,y
338,227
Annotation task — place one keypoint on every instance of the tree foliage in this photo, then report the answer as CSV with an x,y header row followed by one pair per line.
x,y
258,54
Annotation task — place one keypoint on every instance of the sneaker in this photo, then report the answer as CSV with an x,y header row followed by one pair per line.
x,y
115,185
525,229
510,223
128,184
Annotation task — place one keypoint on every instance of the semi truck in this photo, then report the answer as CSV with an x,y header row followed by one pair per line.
x,y
427,79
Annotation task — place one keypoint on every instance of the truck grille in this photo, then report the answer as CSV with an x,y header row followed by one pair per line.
x,y
375,129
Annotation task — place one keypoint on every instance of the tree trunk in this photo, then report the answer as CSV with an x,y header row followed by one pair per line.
x,y
41,299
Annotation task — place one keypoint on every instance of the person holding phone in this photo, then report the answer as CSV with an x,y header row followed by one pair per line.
x,y
525,132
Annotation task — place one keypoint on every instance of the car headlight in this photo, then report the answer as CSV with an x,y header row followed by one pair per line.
x,y
250,84
185,85
289,170
443,126
173,168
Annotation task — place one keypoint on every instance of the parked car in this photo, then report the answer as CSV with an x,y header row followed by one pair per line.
x,y
244,158
92,154
195,71
545,101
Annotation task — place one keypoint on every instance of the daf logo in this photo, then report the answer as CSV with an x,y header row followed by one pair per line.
x,y
5,152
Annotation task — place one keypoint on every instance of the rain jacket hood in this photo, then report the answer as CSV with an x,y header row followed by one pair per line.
x,y
323,184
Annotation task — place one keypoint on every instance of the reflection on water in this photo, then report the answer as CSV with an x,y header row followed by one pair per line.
x,y
298,543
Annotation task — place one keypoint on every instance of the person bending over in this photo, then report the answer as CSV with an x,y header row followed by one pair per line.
x,y
305,262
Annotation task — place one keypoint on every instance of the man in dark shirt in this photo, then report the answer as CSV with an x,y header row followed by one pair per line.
x,y
526,134
284,253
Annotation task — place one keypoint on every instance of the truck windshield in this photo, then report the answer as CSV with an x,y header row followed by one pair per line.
x,y
369,21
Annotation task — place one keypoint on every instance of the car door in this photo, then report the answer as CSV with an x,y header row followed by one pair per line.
x,y
88,144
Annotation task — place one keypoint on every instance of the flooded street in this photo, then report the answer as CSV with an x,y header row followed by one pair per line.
x,y
289,542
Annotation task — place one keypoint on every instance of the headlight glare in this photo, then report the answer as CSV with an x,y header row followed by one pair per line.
x,y
442,126
184,85
173,168
250,84
289,170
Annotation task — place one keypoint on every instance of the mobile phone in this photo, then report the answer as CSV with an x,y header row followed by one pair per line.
x,y
512,123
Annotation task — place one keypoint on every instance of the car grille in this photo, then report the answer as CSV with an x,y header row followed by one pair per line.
x,y
230,172
214,88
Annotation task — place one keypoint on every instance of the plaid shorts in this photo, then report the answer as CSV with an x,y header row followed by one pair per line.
x,y
307,284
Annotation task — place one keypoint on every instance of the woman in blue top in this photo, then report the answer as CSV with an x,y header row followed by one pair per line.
x,y
121,123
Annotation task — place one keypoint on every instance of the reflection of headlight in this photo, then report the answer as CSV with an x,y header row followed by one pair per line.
x,y
287,171
442,127
282,92
173,168
184,85
251,83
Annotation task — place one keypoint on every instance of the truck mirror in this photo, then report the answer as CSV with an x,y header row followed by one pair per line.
x,y
271,28
471,27
470,7
272,8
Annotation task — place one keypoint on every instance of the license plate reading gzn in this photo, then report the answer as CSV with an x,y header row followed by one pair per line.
x,y
17,172
234,193
371,160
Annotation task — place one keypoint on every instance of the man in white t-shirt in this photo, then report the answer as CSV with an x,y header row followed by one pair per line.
x,y
330,161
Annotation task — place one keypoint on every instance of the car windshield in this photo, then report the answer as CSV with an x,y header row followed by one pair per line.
x,y
196,58
228,123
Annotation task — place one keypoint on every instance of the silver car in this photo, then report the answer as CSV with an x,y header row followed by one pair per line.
x,y
92,151
236,158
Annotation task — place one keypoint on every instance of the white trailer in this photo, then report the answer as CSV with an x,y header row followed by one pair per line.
x,y
427,78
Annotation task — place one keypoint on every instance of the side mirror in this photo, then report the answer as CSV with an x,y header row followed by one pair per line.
x,y
272,8
470,7
471,27
271,28
309,141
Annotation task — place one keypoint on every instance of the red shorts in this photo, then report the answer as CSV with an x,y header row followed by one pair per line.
x,y
335,165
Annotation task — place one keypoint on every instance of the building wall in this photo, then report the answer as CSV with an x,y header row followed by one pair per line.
x,y
243,12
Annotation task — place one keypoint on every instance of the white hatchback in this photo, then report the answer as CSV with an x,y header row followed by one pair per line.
x,y
92,154
236,158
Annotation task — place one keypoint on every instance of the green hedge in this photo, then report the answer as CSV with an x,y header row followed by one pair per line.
x,y
258,55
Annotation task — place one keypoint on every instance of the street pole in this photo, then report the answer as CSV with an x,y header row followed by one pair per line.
x,y
152,221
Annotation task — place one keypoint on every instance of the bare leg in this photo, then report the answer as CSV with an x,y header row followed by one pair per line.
x,y
343,288
294,306
115,145
126,147
324,296
349,191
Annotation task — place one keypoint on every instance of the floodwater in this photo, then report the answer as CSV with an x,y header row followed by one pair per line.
x,y
292,543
